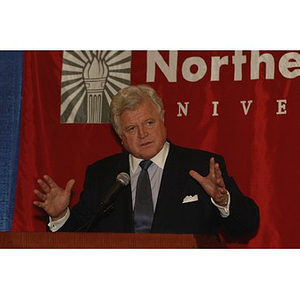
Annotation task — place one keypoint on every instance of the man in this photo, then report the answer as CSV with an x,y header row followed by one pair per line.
x,y
191,191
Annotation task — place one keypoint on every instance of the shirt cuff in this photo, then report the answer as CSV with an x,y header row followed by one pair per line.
x,y
224,210
56,225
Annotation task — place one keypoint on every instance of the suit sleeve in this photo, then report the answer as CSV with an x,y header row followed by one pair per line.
x,y
244,213
83,211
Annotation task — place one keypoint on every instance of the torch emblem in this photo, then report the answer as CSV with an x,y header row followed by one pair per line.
x,y
89,80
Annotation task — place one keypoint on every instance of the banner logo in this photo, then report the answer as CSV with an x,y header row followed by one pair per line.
x,y
89,81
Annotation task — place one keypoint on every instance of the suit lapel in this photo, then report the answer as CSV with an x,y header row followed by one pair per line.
x,y
123,202
167,197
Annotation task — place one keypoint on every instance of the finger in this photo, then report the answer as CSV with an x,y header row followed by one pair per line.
x,y
70,185
221,186
39,204
212,165
40,195
220,181
43,185
50,181
196,176
223,191
218,171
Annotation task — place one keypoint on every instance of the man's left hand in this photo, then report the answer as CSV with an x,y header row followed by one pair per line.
x,y
213,183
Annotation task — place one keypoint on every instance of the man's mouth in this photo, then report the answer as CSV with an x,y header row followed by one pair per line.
x,y
146,144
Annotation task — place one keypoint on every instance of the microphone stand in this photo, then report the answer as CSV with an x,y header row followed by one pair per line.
x,y
104,209
106,205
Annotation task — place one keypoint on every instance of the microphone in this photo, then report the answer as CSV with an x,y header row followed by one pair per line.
x,y
121,181
106,204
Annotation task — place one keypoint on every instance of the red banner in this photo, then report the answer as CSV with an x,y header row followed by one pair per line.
x,y
241,104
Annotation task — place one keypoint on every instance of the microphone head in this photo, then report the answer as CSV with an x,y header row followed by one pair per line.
x,y
123,178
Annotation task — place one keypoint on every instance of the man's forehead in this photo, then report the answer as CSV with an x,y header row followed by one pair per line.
x,y
143,107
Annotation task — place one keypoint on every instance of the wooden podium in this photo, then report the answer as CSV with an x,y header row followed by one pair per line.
x,y
67,240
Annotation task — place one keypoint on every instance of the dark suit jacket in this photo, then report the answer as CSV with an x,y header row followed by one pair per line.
x,y
171,215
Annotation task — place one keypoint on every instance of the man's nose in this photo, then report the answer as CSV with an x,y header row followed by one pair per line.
x,y
142,133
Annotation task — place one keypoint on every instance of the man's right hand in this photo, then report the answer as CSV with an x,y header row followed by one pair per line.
x,y
54,200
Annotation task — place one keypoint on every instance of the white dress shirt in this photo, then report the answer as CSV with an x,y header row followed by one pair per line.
x,y
155,172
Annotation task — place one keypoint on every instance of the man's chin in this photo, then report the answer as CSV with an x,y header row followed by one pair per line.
x,y
147,153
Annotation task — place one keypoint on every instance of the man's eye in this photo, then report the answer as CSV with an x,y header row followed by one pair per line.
x,y
130,129
149,123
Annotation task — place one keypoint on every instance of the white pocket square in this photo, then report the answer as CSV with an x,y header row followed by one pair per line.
x,y
188,199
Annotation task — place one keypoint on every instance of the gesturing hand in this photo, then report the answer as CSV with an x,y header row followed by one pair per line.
x,y
213,183
54,199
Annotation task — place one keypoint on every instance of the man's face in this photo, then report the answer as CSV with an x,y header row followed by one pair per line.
x,y
143,131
